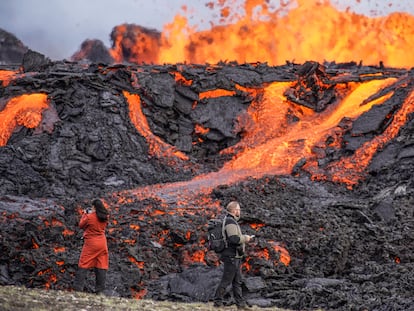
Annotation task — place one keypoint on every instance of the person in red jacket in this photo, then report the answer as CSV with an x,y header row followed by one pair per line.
x,y
95,249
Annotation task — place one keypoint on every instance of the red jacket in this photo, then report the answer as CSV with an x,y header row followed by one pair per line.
x,y
95,249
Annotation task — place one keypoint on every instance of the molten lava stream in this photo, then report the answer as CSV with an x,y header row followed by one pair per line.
x,y
23,110
350,170
273,146
6,76
157,146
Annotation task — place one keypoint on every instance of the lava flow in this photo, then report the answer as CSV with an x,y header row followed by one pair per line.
x,y
277,134
166,146
24,110
272,145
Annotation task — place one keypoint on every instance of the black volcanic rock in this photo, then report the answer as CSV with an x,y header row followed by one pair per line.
x,y
89,138
11,48
350,249
34,61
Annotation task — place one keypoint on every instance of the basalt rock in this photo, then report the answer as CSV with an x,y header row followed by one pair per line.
x,y
11,48
319,244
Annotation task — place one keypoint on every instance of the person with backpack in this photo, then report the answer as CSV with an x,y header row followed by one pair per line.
x,y
95,249
232,257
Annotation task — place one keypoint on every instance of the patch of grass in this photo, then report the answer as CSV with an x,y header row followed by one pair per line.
x,y
15,298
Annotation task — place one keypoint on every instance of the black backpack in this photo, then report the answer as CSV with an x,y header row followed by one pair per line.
x,y
216,236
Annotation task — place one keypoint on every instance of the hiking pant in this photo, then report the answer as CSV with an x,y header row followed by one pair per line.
x,y
100,279
79,283
231,275
100,275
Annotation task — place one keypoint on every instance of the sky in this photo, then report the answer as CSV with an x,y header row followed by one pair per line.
x,y
57,28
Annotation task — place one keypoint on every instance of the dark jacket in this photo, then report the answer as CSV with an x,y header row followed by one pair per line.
x,y
234,237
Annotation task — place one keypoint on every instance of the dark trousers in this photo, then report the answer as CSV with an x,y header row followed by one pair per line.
x,y
80,278
100,275
231,275
79,284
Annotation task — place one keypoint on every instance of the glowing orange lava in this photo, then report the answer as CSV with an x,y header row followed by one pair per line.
x,y
6,76
273,146
350,170
298,31
25,110
157,146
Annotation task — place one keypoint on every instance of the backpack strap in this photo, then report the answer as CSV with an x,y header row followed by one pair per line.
x,y
223,231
